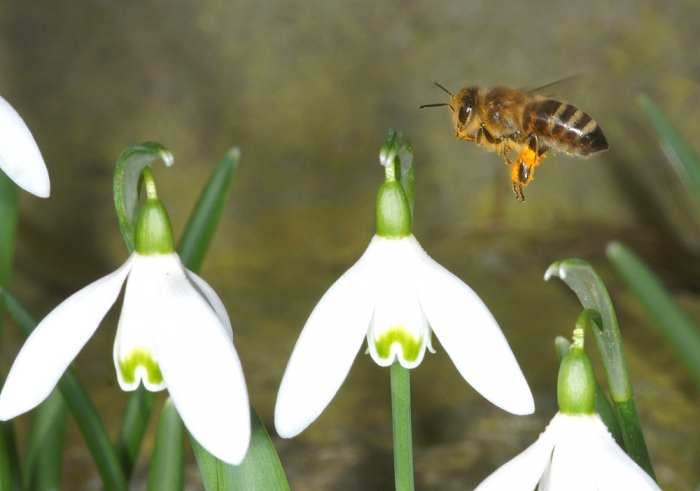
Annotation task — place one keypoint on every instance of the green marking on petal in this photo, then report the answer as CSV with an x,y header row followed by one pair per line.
x,y
140,358
397,334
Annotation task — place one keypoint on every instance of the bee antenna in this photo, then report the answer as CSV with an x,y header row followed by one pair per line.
x,y
443,88
434,105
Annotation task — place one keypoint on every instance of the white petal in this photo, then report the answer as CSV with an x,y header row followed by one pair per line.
x,y
20,157
471,336
524,471
213,300
56,341
201,369
615,470
139,316
326,348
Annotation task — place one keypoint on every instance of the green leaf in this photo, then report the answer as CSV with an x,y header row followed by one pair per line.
x,y
207,213
167,470
127,178
44,454
80,406
684,160
602,403
193,246
681,333
9,212
590,290
10,476
133,427
261,469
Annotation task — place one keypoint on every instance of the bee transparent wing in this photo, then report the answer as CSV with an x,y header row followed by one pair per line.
x,y
555,88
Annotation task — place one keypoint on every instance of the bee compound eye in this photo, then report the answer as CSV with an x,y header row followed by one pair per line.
x,y
464,112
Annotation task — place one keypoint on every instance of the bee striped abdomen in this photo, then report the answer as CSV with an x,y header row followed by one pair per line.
x,y
564,127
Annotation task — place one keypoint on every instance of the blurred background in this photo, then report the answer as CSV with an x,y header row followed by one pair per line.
x,y
307,91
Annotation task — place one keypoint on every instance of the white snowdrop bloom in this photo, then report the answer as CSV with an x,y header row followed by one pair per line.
x,y
394,296
575,453
173,332
20,157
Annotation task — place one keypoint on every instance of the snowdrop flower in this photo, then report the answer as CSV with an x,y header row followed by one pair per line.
x,y
395,295
576,452
173,332
20,157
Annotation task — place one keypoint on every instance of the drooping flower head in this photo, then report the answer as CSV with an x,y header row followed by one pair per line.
x,y
395,296
20,157
576,452
173,332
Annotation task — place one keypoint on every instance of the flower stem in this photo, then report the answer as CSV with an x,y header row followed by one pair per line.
x,y
401,413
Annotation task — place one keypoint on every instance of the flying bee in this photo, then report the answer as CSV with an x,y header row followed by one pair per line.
x,y
502,119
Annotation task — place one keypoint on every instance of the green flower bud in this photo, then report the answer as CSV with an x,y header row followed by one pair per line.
x,y
576,385
392,214
154,234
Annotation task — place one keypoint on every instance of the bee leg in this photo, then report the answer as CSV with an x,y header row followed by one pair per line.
x,y
506,151
482,131
519,174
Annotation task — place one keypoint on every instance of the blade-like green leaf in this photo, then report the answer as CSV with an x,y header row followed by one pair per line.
x,y
167,470
134,423
210,468
207,213
193,246
674,325
80,406
602,403
9,212
684,160
590,290
44,454
127,177
261,469
10,475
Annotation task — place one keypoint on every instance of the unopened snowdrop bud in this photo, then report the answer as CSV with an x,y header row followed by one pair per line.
x,y
576,384
154,234
392,213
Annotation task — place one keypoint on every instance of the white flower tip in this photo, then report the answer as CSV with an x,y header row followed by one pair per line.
x,y
293,410
288,424
11,406
5,412
507,389
20,157
523,406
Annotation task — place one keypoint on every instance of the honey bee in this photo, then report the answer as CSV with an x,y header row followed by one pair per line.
x,y
502,119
